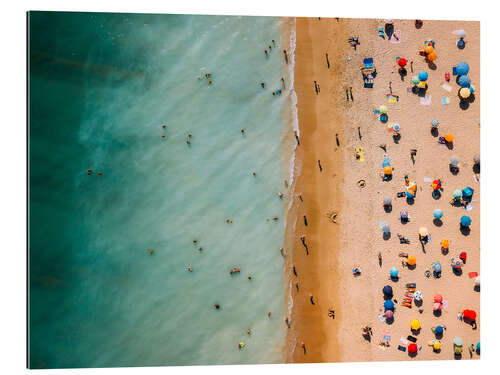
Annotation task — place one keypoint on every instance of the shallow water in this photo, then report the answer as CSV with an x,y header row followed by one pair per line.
x,y
101,86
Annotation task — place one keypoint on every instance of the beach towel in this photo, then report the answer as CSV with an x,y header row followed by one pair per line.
x,y
404,341
396,37
402,348
472,275
381,318
427,179
446,87
426,100
387,336
445,100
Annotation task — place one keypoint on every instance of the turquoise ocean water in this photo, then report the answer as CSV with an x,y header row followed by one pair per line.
x,y
101,86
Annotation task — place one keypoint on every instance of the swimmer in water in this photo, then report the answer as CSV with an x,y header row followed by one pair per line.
x,y
269,314
262,84
99,173
255,174
280,194
249,277
217,306
89,172
190,269
242,131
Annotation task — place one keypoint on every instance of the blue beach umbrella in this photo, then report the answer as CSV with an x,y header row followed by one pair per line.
x,y
462,68
422,76
467,192
464,81
438,214
439,330
388,305
465,221
394,272
387,290
436,267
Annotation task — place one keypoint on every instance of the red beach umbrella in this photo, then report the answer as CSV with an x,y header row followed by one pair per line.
x,y
463,256
469,314
438,298
402,62
412,348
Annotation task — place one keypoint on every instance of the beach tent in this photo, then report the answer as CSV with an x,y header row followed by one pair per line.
x,y
388,305
412,348
438,214
436,267
422,76
415,325
394,272
465,221
457,194
438,298
464,81
387,290
411,260
462,68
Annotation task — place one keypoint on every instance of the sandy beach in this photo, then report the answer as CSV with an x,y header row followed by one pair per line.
x,y
356,238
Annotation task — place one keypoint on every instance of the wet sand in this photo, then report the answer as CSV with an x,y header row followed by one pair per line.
x,y
334,249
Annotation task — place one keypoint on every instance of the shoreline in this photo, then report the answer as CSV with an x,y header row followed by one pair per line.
x,y
311,324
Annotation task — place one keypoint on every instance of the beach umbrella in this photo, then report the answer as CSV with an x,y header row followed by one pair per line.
x,y
477,159
423,231
449,137
436,267
465,221
422,76
396,127
387,290
434,123
394,272
383,109
404,214
414,80
436,345
389,314
457,194
463,256
402,62
417,295
386,228
456,263
411,260
469,314
457,341
454,161
429,49
387,201
412,348
464,81
388,305
467,192
388,170
436,184
438,213
445,244
439,330
438,298
415,325
432,56
422,85
437,306
464,92
462,68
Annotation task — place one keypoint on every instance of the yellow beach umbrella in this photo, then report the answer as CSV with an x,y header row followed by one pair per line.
x,y
415,325
423,231
437,345
464,92
383,109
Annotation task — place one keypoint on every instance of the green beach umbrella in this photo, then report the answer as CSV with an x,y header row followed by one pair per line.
x,y
414,80
434,123
457,194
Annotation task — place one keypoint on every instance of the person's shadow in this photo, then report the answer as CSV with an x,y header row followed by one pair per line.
x,y
457,271
431,65
436,194
438,222
437,313
476,168
402,73
435,132
388,208
464,230
410,201
386,236
367,337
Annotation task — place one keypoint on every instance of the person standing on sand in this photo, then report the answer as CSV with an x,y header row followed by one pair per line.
x,y
311,299
350,92
319,165
303,239
303,346
294,270
287,321
297,287
283,82
305,220
327,61
316,87
337,139
297,137
286,57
